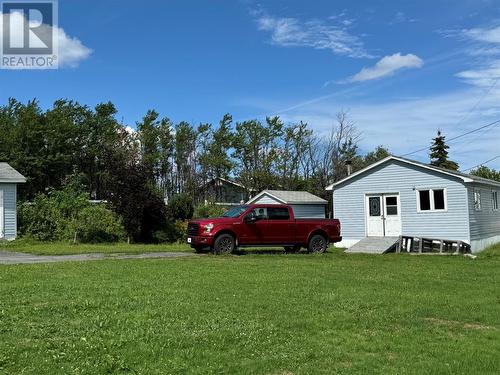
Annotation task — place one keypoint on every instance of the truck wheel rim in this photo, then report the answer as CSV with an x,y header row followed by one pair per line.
x,y
225,245
318,245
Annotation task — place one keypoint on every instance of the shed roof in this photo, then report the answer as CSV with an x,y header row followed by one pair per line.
x,y
10,175
463,176
290,197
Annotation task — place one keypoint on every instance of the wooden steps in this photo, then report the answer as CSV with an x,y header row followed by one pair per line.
x,y
374,245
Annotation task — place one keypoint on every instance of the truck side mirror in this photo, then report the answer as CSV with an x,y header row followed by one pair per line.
x,y
249,219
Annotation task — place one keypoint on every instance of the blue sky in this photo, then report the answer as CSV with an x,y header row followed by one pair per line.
x,y
402,69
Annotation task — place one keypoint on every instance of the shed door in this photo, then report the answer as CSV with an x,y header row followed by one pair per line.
x,y
383,215
2,230
375,216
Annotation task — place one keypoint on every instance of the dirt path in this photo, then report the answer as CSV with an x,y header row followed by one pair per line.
x,y
7,257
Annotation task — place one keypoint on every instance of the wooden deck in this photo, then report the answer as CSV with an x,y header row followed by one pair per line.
x,y
422,245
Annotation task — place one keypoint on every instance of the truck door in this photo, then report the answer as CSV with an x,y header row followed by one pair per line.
x,y
281,230
257,232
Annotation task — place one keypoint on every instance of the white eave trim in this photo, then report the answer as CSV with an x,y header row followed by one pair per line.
x,y
374,165
265,192
12,181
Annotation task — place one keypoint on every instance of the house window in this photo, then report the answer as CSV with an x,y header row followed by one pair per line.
x,y
477,200
494,200
431,200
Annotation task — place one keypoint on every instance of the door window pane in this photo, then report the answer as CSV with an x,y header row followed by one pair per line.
x,y
391,201
391,206
374,203
439,199
425,200
278,213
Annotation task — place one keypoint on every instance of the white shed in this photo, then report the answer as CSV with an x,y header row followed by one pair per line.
x,y
9,178
304,204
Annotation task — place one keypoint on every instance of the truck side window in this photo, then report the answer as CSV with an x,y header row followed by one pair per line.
x,y
278,213
260,213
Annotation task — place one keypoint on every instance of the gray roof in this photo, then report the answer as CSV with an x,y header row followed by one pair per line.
x,y
291,197
10,175
463,176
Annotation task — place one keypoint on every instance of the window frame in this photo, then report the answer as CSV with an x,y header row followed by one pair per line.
x,y
478,192
432,201
494,200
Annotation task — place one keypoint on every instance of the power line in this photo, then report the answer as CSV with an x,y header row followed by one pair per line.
x,y
456,137
484,162
487,92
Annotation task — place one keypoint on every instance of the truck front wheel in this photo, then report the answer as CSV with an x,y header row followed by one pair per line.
x,y
317,244
224,244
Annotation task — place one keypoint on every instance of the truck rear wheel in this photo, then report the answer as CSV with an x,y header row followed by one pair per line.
x,y
317,244
224,244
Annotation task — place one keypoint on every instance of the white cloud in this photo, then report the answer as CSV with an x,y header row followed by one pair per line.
x,y
292,32
407,125
486,52
483,35
485,76
387,66
71,50
401,17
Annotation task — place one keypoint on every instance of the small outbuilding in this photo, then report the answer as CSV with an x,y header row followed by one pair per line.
x,y
401,197
9,178
224,192
304,204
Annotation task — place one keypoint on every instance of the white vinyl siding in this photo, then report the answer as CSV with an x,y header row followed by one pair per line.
x,y
484,223
9,211
311,211
404,179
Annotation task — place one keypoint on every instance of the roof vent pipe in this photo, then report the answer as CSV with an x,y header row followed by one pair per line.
x,y
348,164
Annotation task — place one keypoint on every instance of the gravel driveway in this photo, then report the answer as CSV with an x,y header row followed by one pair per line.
x,y
7,257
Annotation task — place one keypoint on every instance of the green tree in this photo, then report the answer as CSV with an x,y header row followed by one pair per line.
x,y
374,156
485,172
185,158
439,153
149,140
256,152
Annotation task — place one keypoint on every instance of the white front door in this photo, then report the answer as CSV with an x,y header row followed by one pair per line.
x,y
383,215
1,215
375,218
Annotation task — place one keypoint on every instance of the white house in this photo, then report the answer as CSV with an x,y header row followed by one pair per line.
x,y
304,204
9,178
397,196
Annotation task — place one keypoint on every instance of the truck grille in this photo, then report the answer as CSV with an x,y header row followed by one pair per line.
x,y
193,229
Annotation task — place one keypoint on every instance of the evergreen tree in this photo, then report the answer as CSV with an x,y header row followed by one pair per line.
x,y
439,153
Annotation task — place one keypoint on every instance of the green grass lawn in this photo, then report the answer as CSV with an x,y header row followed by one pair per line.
x,y
66,248
254,314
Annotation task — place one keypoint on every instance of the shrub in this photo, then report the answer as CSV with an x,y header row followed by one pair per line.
x,y
208,210
96,223
180,207
60,214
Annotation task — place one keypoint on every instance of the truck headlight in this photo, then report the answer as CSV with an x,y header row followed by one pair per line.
x,y
208,227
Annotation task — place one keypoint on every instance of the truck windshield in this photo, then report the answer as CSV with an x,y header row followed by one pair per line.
x,y
235,211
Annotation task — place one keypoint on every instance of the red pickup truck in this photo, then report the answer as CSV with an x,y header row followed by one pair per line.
x,y
262,225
